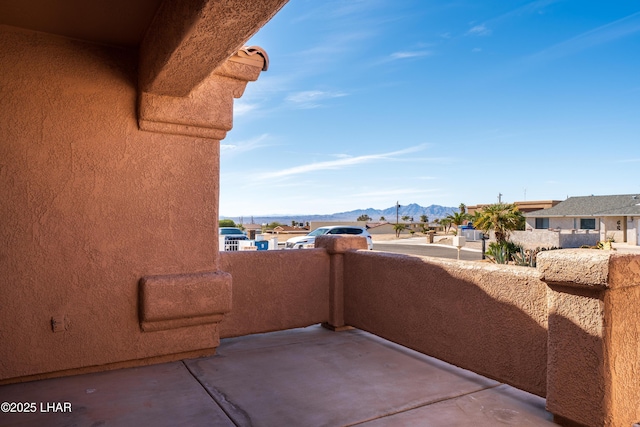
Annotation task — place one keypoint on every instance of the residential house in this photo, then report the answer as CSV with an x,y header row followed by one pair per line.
x,y
287,229
614,217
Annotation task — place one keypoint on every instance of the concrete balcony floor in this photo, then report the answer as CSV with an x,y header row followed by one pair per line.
x,y
301,377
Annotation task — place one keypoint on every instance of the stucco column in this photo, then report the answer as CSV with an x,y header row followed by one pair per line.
x,y
336,246
593,363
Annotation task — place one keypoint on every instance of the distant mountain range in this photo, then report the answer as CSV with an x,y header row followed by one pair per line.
x,y
413,210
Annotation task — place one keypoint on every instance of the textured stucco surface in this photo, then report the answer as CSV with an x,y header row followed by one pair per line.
x,y
276,290
89,205
177,300
576,367
339,244
575,267
622,326
594,336
177,52
207,111
487,318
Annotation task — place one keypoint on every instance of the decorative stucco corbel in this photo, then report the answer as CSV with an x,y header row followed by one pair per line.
x,y
207,111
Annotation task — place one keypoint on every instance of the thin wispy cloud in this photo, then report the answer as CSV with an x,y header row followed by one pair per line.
x,y
339,163
534,7
239,147
410,54
335,44
312,98
479,30
486,27
598,36
242,108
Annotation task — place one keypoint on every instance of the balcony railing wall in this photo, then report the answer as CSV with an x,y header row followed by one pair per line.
x,y
276,290
483,317
567,331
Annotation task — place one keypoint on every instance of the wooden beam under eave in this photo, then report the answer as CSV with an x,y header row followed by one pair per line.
x,y
188,39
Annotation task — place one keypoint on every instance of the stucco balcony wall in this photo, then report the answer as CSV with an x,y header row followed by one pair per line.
x,y
276,290
486,318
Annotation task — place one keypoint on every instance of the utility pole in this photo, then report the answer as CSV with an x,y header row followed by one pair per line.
x,y
499,197
397,211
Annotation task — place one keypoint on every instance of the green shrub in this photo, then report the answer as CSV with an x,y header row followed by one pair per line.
x,y
226,223
500,252
516,254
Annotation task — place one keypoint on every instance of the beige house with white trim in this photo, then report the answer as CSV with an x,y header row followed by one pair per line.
x,y
614,217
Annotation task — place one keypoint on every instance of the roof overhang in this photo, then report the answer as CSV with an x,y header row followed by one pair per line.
x,y
191,57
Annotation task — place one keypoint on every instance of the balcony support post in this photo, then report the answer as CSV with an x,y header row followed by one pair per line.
x,y
336,246
594,337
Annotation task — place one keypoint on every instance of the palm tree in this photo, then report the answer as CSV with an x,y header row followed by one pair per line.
x,y
502,218
463,208
475,217
398,229
446,224
457,219
424,218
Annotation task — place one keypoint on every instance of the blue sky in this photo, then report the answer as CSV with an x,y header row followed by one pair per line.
x,y
369,102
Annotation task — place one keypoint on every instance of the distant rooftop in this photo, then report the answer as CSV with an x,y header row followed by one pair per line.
x,y
590,206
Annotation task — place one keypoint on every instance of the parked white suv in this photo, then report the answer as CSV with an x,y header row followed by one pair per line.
x,y
308,241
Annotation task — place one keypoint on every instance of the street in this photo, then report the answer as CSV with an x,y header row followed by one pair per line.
x,y
439,251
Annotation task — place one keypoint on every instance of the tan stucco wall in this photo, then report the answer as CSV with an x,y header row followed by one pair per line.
x,y
89,205
594,336
487,318
555,238
566,223
623,330
276,290
609,228
383,229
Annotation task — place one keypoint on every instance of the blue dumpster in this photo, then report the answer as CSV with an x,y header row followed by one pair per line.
x,y
262,245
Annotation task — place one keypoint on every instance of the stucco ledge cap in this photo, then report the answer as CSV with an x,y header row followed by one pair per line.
x,y
585,268
340,244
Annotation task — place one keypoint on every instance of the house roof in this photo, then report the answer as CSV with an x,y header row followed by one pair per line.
x,y
288,228
593,206
377,224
